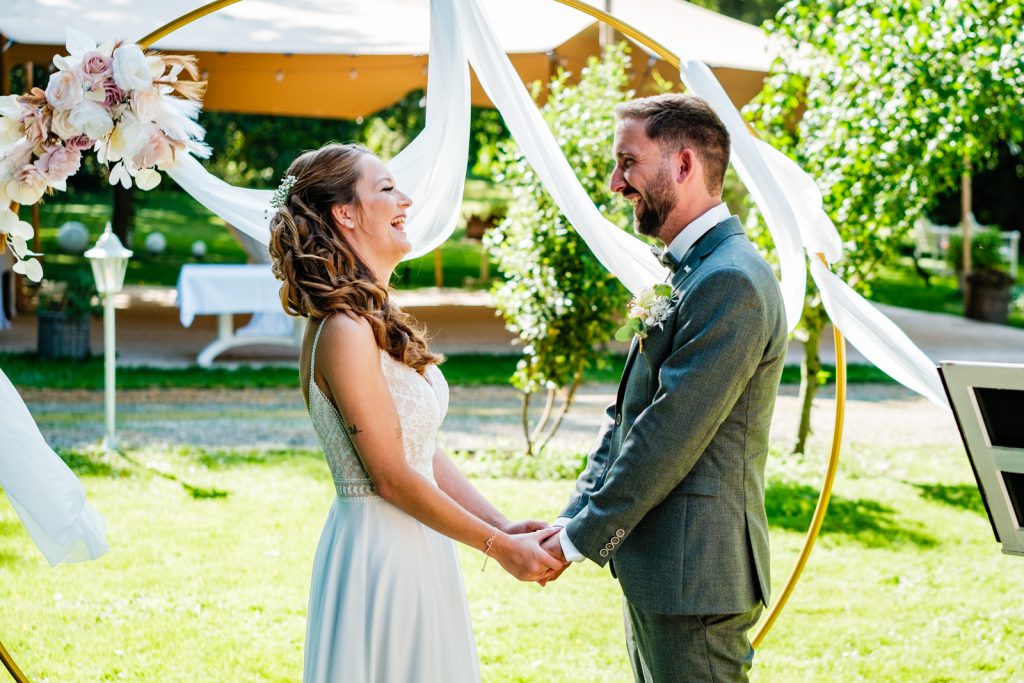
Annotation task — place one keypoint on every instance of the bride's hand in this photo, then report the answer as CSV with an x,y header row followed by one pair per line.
x,y
524,526
521,555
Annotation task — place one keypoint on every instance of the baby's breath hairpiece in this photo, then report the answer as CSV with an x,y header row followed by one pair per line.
x,y
281,193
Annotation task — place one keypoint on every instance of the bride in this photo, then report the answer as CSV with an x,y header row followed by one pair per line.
x,y
387,601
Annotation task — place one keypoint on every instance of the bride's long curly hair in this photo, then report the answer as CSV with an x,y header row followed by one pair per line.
x,y
322,274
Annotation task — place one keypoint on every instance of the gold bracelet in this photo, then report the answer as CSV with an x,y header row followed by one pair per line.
x,y
487,548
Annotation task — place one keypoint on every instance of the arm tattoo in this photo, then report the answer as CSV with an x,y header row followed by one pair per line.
x,y
398,432
353,430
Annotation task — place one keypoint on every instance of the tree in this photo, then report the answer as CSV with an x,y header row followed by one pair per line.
x,y
557,296
897,102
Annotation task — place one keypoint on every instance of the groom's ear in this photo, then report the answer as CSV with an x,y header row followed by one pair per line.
x,y
685,163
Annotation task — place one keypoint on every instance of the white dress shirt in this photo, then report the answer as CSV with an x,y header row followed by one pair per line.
x,y
679,249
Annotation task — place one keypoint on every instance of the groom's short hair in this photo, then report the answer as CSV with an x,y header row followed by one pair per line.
x,y
679,121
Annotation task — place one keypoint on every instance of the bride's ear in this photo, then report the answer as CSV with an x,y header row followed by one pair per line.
x,y
342,214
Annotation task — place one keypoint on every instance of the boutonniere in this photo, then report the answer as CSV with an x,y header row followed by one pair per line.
x,y
647,310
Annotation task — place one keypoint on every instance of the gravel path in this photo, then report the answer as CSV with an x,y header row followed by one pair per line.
x,y
478,418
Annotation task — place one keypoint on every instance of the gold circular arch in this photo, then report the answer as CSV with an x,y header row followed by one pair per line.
x,y
840,342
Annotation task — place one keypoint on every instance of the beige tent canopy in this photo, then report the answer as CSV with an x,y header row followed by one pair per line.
x,y
350,58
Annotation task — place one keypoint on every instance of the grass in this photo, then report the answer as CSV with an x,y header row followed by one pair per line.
x,y
182,221
906,583
27,371
900,286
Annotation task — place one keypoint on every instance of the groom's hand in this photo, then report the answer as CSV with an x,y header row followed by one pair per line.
x,y
553,547
524,526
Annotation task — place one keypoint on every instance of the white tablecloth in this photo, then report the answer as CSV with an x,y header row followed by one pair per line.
x,y
210,289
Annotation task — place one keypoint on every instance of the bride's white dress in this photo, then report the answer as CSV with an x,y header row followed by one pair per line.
x,y
387,602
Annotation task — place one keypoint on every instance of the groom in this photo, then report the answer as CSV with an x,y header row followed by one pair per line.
x,y
672,498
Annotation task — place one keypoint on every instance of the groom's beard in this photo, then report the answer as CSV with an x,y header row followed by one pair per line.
x,y
656,204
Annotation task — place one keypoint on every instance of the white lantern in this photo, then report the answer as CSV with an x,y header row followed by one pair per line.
x,y
109,261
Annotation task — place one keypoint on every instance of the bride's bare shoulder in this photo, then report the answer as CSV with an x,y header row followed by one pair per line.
x,y
348,336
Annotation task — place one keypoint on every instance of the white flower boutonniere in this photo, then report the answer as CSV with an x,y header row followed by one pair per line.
x,y
647,310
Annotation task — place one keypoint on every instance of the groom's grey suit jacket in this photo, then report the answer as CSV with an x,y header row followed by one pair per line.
x,y
673,493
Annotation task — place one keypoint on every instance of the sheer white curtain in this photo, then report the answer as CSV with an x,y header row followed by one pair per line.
x,y
47,496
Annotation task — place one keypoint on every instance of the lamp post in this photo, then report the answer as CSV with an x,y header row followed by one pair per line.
x,y
109,261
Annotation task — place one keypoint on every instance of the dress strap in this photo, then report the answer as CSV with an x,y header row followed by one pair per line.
x,y
312,362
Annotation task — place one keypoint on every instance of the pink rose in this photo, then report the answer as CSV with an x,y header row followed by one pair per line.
x,y
156,152
112,94
37,125
96,66
58,163
64,91
79,142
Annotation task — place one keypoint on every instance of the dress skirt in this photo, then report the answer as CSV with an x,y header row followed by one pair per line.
x,y
387,602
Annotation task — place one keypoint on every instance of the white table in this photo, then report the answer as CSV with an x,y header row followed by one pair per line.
x,y
223,290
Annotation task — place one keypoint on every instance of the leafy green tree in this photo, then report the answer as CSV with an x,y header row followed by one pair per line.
x,y
887,104
557,297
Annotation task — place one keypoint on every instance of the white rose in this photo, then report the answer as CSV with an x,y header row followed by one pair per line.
x,y
61,125
27,186
64,91
131,69
146,104
10,131
92,119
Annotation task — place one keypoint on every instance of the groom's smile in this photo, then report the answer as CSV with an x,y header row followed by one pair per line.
x,y
643,177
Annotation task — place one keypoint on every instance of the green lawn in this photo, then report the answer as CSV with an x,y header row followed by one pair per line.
x,y
899,285
906,584
26,370
182,220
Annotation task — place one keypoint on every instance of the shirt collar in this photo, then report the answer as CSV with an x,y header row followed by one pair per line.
x,y
689,235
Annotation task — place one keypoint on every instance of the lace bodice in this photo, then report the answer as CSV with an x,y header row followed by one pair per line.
x,y
421,406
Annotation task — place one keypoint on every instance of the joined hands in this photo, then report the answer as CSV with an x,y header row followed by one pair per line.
x,y
530,551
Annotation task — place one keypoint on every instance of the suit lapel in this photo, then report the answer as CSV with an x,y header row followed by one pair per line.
x,y
633,350
705,245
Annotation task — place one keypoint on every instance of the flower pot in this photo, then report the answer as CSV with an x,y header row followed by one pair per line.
x,y
62,336
989,296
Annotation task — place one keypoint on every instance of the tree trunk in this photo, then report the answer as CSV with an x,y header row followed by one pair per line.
x,y
570,394
809,369
965,224
124,214
525,416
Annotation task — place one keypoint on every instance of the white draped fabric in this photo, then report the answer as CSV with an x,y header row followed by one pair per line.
x,y
431,170
47,496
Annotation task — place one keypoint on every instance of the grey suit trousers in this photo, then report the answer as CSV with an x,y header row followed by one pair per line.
x,y
686,648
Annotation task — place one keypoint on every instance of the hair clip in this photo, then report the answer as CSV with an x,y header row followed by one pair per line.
x,y
281,193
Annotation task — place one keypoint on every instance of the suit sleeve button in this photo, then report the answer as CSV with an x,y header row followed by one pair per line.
x,y
615,540
620,533
603,552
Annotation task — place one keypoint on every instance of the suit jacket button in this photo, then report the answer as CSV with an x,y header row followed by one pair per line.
x,y
603,552
615,540
620,534
609,546
618,418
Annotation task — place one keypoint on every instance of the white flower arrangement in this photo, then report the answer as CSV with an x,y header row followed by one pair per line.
x,y
115,99
647,310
